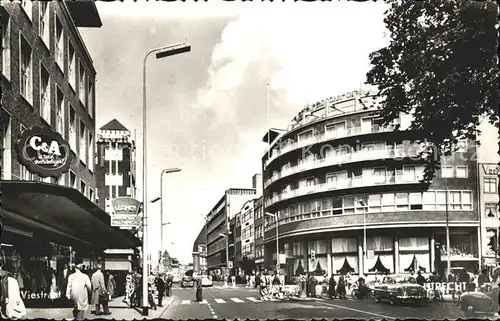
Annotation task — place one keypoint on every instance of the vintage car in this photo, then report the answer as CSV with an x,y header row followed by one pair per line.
x,y
399,290
479,304
187,280
206,280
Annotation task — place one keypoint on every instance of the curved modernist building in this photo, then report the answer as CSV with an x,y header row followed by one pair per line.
x,y
348,196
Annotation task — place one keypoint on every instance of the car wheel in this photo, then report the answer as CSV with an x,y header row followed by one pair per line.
x,y
377,299
392,301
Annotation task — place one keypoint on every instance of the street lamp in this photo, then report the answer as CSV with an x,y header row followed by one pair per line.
x,y
161,52
163,172
277,244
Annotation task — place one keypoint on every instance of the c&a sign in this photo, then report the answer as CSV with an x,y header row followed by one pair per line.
x,y
43,152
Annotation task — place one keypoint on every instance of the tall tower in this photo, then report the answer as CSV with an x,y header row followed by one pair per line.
x,y
115,168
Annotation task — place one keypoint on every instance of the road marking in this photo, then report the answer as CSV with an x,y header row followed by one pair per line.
x,y
253,299
215,316
360,311
186,301
204,301
237,300
219,301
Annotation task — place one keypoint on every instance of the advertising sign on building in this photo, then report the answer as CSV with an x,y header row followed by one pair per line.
x,y
43,152
126,212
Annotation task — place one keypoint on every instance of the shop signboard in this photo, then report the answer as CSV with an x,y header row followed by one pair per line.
x,y
126,212
44,152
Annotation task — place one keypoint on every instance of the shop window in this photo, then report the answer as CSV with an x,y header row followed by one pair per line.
x,y
490,185
402,201
462,172
490,210
416,201
446,171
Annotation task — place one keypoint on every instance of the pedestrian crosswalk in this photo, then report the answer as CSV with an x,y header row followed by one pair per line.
x,y
222,301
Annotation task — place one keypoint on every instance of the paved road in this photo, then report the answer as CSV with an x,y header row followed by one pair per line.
x,y
244,303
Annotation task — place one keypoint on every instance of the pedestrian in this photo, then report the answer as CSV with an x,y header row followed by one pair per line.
x,y
78,290
341,288
331,288
483,278
420,279
160,286
312,286
111,284
63,279
199,287
98,288
263,287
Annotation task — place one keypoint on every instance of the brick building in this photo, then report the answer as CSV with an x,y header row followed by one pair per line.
x,y
115,164
49,216
348,195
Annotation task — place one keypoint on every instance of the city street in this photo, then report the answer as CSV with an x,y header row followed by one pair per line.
x,y
244,303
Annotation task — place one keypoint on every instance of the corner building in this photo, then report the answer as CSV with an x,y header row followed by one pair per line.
x,y
342,184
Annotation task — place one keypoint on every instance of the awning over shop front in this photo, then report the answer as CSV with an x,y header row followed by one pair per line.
x,y
62,212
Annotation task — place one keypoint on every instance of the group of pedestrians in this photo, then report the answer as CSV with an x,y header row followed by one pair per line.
x,y
81,288
270,286
163,286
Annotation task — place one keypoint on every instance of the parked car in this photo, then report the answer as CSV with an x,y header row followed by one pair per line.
x,y
479,304
400,289
206,280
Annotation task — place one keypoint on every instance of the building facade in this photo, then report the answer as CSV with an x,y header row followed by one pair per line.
x,y
348,195
219,234
48,211
115,164
200,251
259,234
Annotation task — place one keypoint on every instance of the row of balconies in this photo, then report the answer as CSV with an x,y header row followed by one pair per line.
x,y
322,137
360,181
389,153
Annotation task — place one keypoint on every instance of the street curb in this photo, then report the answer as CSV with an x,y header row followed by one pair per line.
x,y
166,307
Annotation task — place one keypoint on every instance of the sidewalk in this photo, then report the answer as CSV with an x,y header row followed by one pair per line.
x,y
119,311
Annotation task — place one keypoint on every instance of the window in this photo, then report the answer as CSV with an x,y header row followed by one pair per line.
x,y
305,136
446,171
83,143
349,205
467,200
81,84
71,66
25,174
45,94
361,204
26,70
409,174
490,185
60,112
335,130
43,22
27,6
490,210
416,201
59,50
455,200
5,43
83,188
331,179
388,202
90,97
90,161
429,201
72,180
72,128
462,172
402,201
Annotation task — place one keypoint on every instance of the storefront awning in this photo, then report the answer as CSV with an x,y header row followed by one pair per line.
x,y
63,212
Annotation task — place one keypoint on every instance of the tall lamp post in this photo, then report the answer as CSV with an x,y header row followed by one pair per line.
x,y
161,52
277,238
365,252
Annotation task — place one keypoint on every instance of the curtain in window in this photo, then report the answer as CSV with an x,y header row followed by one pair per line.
x,y
339,260
405,261
379,243
313,264
423,261
387,261
413,243
319,247
369,263
296,248
344,245
353,262
297,266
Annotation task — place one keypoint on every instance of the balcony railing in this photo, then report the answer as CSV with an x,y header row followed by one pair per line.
x,y
343,184
389,153
329,135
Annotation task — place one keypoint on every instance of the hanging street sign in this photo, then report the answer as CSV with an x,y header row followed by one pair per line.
x,y
126,212
44,152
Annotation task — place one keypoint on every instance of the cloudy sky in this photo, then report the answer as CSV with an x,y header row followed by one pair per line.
x,y
207,109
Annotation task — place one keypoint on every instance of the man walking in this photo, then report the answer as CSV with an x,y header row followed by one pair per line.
x,y
98,288
78,290
160,286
